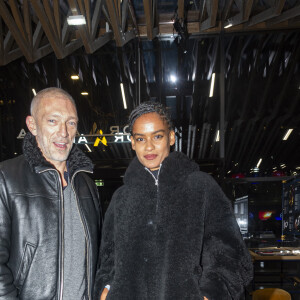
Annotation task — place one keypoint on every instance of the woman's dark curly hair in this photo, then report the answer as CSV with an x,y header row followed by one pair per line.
x,y
150,107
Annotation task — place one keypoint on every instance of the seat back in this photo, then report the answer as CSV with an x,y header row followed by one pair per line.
x,y
271,294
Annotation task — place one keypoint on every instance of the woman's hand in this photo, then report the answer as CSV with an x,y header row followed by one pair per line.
x,y
104,294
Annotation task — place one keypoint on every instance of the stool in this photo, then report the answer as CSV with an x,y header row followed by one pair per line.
x,y
271,294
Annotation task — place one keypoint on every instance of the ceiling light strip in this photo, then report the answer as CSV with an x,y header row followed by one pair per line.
x,y
89,149
287,134
218,136
123,96
228,25
259,162
212,84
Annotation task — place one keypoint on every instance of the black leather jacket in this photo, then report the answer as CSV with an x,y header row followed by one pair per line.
x,y
31,216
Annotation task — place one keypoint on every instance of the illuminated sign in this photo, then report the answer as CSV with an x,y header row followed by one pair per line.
x,y
115,136
99,182
21,134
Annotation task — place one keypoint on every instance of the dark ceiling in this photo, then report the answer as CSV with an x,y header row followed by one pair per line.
x,y
163,51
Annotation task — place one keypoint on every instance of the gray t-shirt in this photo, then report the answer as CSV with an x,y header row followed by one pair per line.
x,y
75,286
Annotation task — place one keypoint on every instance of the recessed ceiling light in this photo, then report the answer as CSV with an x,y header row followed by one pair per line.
x,y
75,77
84,93
76,20
173,78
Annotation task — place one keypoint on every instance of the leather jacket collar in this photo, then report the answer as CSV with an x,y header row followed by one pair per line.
x,y
76,160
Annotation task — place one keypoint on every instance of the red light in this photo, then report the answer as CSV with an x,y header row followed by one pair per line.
x,y
278,173
265,215
238,175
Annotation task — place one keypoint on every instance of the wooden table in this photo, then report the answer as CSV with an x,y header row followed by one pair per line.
x,y
281,254
256,256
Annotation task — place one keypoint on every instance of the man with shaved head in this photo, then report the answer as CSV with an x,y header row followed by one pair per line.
x,y
50,216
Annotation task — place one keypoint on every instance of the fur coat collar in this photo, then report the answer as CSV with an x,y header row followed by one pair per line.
x,y
174,168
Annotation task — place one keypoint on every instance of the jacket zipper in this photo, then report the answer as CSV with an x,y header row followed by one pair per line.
x,y
62,233
155,179
156,183
85,233
61,236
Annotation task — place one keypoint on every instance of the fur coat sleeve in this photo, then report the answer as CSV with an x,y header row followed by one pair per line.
x,y
105,272
226,263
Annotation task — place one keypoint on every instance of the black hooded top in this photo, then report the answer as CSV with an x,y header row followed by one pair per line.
x,y
175,240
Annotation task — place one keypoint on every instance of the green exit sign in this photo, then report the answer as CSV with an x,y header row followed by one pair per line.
x,y
99,182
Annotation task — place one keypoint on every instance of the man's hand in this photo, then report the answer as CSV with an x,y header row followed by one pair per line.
x,y
204,298
104,294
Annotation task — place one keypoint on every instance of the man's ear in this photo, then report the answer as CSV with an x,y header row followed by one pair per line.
x,y
132,142
172,137
30,122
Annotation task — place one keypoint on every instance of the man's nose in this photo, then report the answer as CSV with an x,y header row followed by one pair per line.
x,y
63,131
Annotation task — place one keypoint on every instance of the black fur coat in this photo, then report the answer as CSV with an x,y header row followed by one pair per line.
x,y
175,240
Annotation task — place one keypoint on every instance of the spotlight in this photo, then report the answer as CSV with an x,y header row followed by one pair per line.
x,y
173,78
76,20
